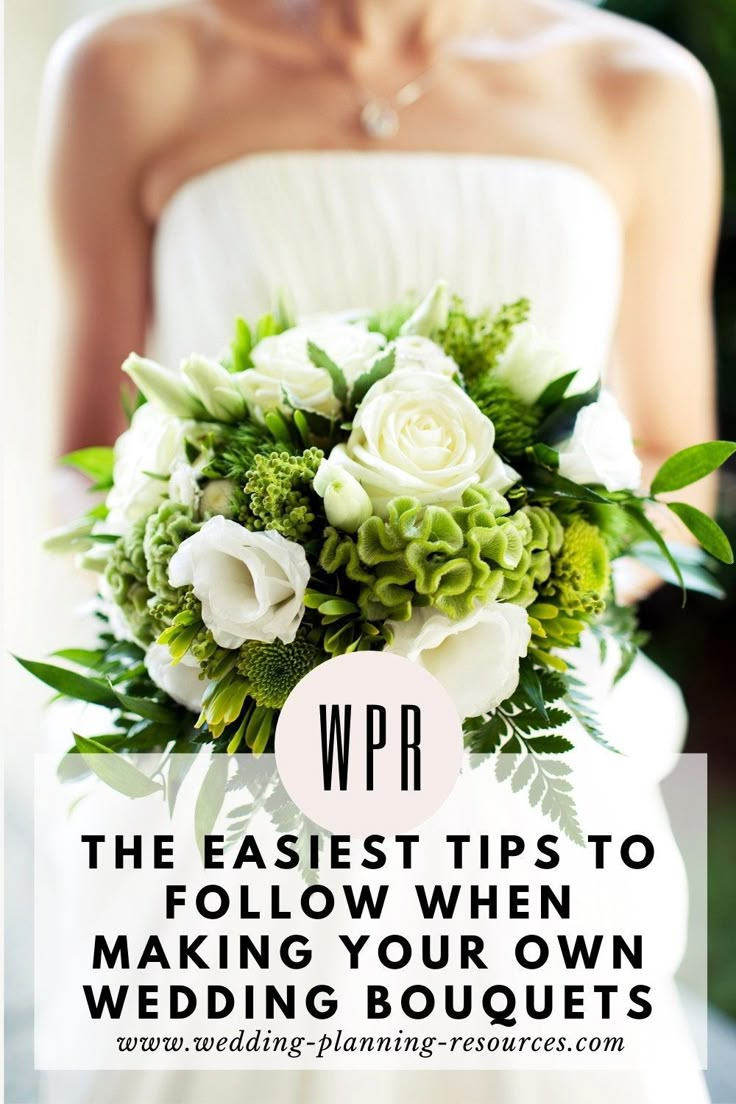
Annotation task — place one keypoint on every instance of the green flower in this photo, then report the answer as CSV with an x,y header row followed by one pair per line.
x,y
575,593
271,671
278,493
450,558
164,531
126,575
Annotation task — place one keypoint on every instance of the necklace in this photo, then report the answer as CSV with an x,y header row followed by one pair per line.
x,y
379,116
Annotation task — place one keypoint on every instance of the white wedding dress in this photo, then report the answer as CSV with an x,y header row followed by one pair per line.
x,y
334,230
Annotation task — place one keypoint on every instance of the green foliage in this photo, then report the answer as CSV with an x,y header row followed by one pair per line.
x,y
235,450
691,464
115,770
516,423
707,531
475,342
524,734
278,493
96,463
390,320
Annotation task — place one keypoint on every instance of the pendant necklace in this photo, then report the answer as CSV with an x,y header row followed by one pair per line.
x,y
379,116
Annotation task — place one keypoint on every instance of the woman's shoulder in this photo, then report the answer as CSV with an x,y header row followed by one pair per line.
x,y
140,72
625,56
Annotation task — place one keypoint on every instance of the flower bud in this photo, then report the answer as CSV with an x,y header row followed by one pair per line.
x,y
161,385
217,498
431,314
347,504
212,385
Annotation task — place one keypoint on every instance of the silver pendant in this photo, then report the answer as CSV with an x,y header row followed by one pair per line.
x,y
379,119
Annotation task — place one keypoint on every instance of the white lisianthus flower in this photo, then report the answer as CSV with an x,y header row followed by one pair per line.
x,y
251,585
421,435
145,456
601,449
419,354
476,658
180,680
347,505
281,363
530,364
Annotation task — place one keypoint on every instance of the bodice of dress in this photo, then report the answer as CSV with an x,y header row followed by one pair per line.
x,y
333,230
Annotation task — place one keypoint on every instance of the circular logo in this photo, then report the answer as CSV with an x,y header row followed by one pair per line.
x,y
369,742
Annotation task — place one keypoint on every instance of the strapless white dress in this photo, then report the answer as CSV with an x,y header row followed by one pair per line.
x,y
334,230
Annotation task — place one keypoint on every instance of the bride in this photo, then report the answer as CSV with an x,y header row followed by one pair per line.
x,y
208,156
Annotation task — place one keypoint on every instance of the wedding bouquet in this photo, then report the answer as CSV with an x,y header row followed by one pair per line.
x,y
421,481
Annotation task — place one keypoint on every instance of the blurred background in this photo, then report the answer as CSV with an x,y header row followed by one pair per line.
x,y
695,647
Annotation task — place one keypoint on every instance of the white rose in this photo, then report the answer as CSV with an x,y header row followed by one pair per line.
x,y
251,585
422,437
530,364
282,363
419,354
601,449
476,659
151,447
347,505
180,680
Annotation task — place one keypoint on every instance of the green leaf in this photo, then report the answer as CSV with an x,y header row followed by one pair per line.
x,y
705,530
210,798
320,359
83,657
179,766
641,519
379,371
691,464
144,707
97,463
544,483
546,456
691,560
531,687
549,745
338,607
71,684
559,424
241,346
523,774
114,770
554,392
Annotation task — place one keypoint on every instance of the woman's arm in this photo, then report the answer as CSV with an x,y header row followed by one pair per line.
x,y
665,361
101,121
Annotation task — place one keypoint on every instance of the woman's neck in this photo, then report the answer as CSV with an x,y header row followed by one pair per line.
x,y
360,35
375,25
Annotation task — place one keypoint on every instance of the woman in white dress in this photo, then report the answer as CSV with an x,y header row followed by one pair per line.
x,y
205,157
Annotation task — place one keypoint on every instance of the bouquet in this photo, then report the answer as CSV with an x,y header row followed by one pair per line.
x,y
421,480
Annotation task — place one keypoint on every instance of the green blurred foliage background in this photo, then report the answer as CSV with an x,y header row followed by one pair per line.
x,y
697,648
